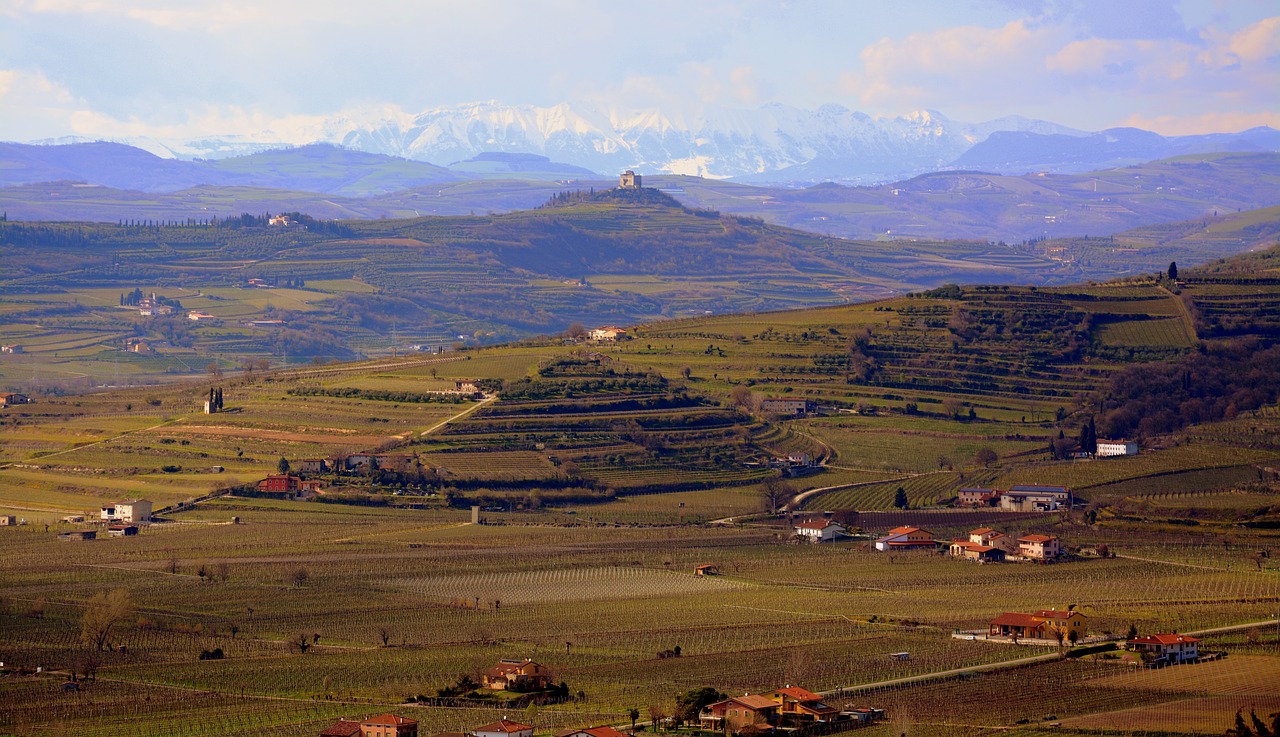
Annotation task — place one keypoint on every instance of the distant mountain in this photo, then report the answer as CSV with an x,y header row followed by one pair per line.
x,y
500,165
772,144
315,168
1016,152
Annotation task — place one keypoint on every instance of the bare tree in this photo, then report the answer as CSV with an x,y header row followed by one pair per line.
x,y
298,577
776,493
101,613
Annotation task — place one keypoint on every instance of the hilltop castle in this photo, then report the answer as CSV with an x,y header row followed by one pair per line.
x,y
629,180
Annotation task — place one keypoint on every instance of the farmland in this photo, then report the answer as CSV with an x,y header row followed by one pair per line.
x,y
606,473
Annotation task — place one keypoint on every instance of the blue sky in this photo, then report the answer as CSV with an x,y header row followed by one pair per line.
x,y
175,69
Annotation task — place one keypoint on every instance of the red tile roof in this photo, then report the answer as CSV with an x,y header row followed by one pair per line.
x,y
981,531
1017,619
389,720
1036,538
799,694
755,702
593,731
820,524
903,531
1056,613
342,728
1169,639
504,725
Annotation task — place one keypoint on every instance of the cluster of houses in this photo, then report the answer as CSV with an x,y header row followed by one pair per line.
x,y
8,399
1068,625
394,725
984,544
1021,498
787,707
607,334
120,520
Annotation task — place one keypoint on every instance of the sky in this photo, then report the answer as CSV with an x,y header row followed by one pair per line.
x,y
179,69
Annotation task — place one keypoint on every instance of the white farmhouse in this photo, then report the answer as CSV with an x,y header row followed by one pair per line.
x,y
1108,448
134,510
820,530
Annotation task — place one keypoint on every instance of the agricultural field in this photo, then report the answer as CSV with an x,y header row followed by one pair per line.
x,y
604,476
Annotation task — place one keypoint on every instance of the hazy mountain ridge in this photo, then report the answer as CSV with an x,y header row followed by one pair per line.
x,y
773,143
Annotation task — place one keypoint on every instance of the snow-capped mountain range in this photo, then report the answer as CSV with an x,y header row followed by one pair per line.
x,y
773,143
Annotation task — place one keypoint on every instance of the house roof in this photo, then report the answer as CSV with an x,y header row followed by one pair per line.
x,y
976,490
976,547
799,694
1018,619
817,707
342,728
903,531
593,731
752,701
504,725
982,531
817,524
1040,488
1036,538
1056,613
389,720
1165,639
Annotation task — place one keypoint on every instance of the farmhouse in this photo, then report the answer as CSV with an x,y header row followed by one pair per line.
x,y
198,316
976,551
736,712
1041,625
503,728
1016,500
134,510
1173,648
788,407
12,348
78,535
1039,547
8,520
343,728
311,465
1064,620
900,538
607,334
1110,448
122,530
800,705
592,732
819,530
516,675
708,569
280,484
10,398
977,497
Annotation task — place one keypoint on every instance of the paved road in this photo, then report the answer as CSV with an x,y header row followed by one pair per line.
x,y
1012,663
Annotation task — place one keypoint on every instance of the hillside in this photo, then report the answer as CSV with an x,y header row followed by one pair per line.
x,y
330,183
349,288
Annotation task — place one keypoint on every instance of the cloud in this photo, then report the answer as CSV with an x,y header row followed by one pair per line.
x,y
1026,64
46,106
169,14
1215,122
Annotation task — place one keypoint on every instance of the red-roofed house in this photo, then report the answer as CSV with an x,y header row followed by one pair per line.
x,y
905,538
819,530
503,728
802,706
737,712
592,732
1015,624
1039,547
343,728
976,551
387,725
516,675
1174,648
280,484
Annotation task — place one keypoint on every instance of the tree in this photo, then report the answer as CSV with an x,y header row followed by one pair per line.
x,y
742,398
283,465
985,456
1256,728
633,714
1133,632
776,493
300,643
577,331
101,613
900,498
385,635
690,703
1173,271
298,577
